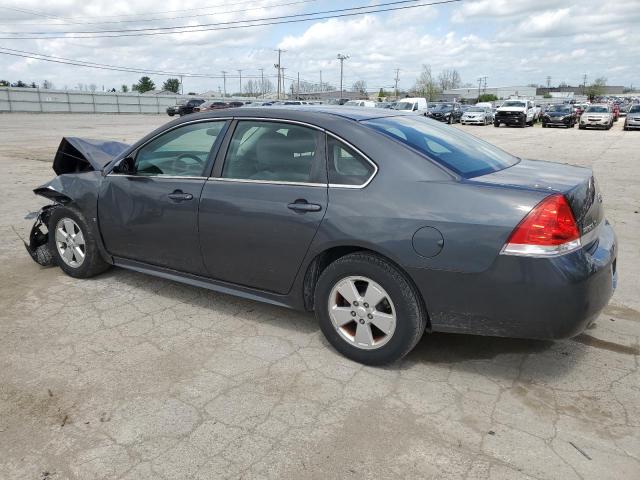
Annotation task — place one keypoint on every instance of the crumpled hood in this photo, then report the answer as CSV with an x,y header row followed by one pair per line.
x,y
76,155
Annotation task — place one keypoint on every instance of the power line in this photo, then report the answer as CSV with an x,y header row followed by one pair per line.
x,y
102,66
147,20
233,25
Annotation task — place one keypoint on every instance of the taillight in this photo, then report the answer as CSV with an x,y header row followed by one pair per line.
x,y
549,229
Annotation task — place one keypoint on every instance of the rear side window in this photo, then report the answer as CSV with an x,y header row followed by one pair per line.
x,y
346,166
273,151
462,153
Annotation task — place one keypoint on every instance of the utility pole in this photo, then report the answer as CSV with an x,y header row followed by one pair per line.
x,y
240,73
548,82
224,83
397,79
181,86
342,58
321,89
284,90
298,85
479,86
584,83
261,82
279,66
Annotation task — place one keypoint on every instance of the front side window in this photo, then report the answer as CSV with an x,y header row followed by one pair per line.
x,y
274,151
182,152
346,166
464,154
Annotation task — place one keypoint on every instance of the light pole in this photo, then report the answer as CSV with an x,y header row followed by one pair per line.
x,y
342,58
261,82
240,73
224,83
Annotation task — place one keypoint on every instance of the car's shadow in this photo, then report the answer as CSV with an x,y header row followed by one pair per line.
x,y
433,348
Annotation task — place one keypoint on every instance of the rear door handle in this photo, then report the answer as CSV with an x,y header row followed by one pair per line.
x,y
304,206
179,196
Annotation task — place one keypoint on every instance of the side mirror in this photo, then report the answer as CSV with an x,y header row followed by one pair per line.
x,y
126,166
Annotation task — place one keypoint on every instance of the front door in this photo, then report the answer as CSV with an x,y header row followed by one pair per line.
x,y
261,210
150,215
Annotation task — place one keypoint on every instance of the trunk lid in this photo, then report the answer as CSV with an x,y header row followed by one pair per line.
x,y
576,183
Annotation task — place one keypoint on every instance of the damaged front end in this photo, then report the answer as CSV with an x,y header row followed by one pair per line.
x,y
78,163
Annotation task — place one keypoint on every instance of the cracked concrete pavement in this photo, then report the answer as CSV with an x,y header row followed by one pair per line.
x,y
127,376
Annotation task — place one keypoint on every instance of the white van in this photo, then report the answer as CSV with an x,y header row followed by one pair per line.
x,y
416,104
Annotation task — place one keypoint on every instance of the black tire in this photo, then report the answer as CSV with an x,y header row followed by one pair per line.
x,y
544,125
93,263
523,124
411,317
496,123
581,127
450,121
625,128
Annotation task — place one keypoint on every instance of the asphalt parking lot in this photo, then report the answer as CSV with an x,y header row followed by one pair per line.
x,y
133,377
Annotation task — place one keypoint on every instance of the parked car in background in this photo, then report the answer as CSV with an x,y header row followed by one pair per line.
x,y
451,234
210,105
188,107
338,101
515,112
477,116
559,115
598,115
446,112
361,103
173,109
615,110
416,104
580,108
383,104
633,117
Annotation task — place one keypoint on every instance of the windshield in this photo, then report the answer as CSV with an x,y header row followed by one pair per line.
x,y
597,109
475,109
443,106
635,109
465,154
559,108
514,104
403,106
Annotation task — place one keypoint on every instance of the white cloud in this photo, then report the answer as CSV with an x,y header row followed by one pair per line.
x,y
510,41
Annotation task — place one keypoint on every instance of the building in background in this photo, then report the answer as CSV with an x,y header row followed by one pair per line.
x,y
471,93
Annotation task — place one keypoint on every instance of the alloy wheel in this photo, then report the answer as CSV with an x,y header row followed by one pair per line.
x,y
70,242
362,312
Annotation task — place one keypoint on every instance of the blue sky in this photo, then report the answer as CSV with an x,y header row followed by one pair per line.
x,y
512,42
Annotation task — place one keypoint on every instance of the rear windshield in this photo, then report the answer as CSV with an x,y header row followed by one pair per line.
x,y
465,154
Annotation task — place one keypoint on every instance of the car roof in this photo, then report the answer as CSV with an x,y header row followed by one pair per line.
x,y
298,112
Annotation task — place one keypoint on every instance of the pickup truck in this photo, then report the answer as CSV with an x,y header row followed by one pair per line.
x,y
516,112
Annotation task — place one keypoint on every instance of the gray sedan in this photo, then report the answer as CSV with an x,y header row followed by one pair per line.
x,y
384,224
633,117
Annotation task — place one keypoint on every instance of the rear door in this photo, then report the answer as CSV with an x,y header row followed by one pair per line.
x,y
150,215
263,206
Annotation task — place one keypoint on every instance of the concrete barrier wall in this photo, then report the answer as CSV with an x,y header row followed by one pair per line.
x,y
14,99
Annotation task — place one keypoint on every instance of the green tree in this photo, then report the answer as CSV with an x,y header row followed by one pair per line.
x,y
596,89
4,83
171,85
124,89
19,84
487,97
145,84
382,93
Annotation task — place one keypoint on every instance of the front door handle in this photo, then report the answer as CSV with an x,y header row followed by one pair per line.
x,y
304,206
179,196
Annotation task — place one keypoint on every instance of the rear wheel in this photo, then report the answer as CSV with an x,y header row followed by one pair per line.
x,y
450,121
544,125
73,245
581,127
368,310
496,123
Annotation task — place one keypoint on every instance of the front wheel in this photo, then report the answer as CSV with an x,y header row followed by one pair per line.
x,y
368,310
496,123
73,244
